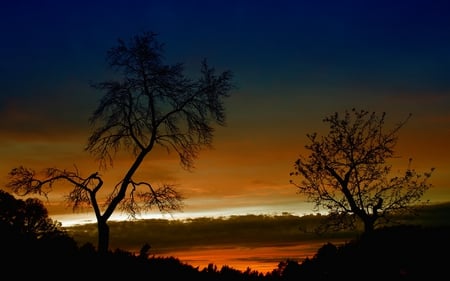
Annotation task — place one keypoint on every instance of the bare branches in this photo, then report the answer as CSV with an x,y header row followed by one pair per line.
x,y
165,198
347,170
26,181
155,103
149,103
23,182
152,103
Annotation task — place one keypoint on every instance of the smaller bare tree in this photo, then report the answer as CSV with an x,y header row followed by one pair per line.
x,y
149,104
347,172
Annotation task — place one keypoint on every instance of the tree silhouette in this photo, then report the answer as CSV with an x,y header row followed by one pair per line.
x,y
347,172
28,218
147,104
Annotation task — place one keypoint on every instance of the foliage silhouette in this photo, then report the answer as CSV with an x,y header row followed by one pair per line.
x,y
149,104
388,253
347,172
28,233
28,218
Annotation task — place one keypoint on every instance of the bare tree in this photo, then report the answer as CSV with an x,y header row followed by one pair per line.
x,y
150,104
347,172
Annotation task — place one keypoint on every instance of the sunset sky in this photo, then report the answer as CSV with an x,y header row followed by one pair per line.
x,y
294,62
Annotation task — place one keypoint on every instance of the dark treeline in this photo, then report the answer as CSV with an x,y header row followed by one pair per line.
x,y
396,253
34,246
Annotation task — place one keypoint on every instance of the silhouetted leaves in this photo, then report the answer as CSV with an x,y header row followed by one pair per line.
x,y
390,253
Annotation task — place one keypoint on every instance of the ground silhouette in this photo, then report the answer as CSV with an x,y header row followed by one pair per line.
x,y
404,252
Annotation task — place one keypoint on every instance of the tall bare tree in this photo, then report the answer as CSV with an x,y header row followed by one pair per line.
x,y
347,172
148,104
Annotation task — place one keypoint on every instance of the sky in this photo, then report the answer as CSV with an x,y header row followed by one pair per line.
x,y
294,63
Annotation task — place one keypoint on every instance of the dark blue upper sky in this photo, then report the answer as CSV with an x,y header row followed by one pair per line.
x,y
387,44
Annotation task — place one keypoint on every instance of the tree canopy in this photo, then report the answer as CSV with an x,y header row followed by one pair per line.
x,y
147,103
348,173
27,218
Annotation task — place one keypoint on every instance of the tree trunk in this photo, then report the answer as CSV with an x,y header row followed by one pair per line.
x,y
103,236
368,225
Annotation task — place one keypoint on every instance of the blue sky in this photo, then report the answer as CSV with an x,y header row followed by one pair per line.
x,y
293,62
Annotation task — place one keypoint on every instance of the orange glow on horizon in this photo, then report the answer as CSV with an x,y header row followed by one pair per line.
x,y
262,259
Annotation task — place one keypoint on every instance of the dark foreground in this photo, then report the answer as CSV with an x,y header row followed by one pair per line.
x,y
394,253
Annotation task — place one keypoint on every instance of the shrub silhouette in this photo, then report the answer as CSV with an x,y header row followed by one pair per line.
x,y
389,253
